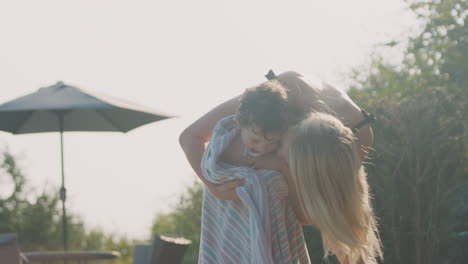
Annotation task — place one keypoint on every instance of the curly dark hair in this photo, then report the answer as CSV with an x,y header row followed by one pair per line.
x,y
265,107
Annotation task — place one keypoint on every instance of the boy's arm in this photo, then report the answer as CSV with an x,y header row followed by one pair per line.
x,y
193,140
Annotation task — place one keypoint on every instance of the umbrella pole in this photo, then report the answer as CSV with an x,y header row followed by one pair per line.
x,y
63,193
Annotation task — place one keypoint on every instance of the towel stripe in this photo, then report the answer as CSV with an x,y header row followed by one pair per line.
x,y
263,228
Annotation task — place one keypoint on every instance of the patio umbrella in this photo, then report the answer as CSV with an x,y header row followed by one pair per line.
x,y
61,107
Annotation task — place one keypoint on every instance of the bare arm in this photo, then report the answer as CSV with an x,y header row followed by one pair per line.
x,y
351,115
364,139
193,140
343,259
343,107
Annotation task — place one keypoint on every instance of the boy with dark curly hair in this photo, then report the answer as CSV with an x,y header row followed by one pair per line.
x,y
263,116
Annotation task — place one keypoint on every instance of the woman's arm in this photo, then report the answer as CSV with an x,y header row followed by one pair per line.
x,y
193,140
339,102
351,115
364,140
343,259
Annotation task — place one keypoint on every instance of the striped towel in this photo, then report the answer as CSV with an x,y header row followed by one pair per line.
x,y
260,229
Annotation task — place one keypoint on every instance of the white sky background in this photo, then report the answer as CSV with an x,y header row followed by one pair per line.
x,y
179,57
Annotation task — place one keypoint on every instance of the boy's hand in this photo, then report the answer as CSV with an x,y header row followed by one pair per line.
x,y
226,191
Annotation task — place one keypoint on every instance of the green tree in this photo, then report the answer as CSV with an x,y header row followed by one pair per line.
x,y
184,220
36,219
419,169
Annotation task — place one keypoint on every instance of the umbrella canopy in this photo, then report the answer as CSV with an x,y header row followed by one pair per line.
x,y
81,111
62,107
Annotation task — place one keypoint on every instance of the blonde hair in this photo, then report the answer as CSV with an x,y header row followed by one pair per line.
x,y
332,188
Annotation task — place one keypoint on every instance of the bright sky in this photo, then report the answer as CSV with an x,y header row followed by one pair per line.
x,y
181,57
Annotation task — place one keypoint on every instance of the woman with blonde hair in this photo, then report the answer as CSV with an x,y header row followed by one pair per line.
x,y
331,185
326,183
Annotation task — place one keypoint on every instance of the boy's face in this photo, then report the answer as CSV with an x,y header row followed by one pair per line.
x,y
259,143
